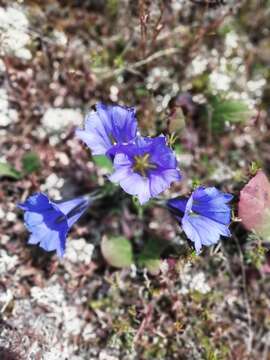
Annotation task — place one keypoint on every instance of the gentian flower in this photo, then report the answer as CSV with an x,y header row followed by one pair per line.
x,y
49,222
145,168
109,126
205,216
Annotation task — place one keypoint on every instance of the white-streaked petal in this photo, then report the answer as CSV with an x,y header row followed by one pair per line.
x,y
135,184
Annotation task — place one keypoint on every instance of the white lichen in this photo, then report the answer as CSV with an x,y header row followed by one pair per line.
x,y
7,115
7,262
57,120
79,251
52,186
14,32
52,296
193,281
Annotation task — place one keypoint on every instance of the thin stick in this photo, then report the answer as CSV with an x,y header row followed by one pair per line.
x,y
145,322
246,299
136,65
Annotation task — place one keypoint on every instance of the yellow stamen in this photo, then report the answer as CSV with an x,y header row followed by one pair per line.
x,y
142,164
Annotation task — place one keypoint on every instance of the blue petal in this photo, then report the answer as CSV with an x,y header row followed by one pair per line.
x,y
33,240
178,204
203,194
131,182
96,134
221,215
162,180
49,222
33,219
37,202
192,233
161,154
108,126
119,149
104,116
49,239
124,124
157,179
122,165
95,142
73,209
54,240
212,203
202,230
135,184
67,206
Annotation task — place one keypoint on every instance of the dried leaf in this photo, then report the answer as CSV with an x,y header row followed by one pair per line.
x,y
254,204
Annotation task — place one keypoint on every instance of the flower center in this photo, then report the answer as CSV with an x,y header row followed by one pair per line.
x,y
142,164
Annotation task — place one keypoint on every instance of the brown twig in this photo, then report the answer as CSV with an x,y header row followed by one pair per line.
x,y
138,64
246,299
203,31
143,23
145,322
158,26
104,75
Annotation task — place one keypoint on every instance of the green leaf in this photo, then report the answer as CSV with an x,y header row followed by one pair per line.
x,y
7,170
31,162
117,251
150,256
141,91
103,162
112,7
233,111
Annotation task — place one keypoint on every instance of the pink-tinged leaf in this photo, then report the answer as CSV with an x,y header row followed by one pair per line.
x,y
265,269
254,204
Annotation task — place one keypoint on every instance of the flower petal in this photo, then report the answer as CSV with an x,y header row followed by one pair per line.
x,y
98,144
134,184
161,154
206,215
153,178
202,230
122,165
178,204
38,202
73,209
212,203
49,222
54,240
108,126
162,181
124,123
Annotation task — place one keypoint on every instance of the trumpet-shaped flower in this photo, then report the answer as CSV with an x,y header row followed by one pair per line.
x,y
145,168
107,127
49,222
205,216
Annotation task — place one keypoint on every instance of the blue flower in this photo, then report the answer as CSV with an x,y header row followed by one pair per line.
x,y
49,222
205,216
145,168
109,126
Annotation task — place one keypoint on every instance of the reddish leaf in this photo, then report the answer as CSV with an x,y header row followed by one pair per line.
x,y
254,204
